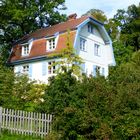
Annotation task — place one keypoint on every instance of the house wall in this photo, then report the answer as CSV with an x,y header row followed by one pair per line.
x,y
88,56
36,70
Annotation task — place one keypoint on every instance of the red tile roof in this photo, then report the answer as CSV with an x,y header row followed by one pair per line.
x,y
39,44
39,47
61,27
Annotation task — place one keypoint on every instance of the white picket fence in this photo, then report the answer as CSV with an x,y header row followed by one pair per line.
x,y
26,123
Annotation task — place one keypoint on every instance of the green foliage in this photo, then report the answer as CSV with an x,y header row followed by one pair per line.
x,y
128,22
97,14
26,94
18,17
112,28
96,108
122,53
5,135
6,83
125,81
17,91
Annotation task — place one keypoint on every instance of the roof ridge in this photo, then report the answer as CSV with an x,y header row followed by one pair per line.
x,y
67,24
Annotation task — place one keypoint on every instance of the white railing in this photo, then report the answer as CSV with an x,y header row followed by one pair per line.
x,y
26,123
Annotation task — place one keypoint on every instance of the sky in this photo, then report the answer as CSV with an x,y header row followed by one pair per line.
x,y
110,7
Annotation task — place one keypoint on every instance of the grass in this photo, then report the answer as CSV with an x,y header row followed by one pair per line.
x,y
7,136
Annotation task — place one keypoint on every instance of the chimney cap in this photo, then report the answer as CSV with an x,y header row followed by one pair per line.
x,y
72,16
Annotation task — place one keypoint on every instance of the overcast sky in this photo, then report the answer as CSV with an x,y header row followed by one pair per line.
x,y
108,6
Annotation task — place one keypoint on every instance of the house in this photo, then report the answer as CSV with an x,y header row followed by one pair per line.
x,y
90,40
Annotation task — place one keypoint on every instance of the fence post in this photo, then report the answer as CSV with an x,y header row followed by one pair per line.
x,y
0,118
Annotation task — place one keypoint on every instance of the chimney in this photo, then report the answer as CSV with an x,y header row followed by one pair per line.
x,y
72,16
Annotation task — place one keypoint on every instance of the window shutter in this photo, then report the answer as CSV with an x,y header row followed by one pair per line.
x,y
83,67
94,70
44,68
103,71
19,69
30,70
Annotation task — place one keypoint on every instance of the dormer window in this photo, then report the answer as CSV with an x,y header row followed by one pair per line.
x,y
25,49
51,44
90,28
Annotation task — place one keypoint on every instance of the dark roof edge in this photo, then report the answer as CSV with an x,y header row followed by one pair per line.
x,y
92,18
28,60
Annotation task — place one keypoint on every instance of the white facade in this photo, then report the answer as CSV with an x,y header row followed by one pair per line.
x,y
37,70
91,60
90,46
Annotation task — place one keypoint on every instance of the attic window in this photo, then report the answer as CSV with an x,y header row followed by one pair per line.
x,y
90,28
25,49
51,45
96,50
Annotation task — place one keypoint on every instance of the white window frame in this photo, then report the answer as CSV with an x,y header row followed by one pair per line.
x,y
25,69
25,49
97,50
98,69
51,67
90,28
51,43
83,44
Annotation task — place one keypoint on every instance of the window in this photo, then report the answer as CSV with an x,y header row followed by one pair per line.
x,y
51,67
83,67
103,72
82,44
44,68
51,44
25,69
90,28
96,70
26,49
97,50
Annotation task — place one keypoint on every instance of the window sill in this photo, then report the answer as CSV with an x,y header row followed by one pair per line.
x,y
83,50
97,55
90,32
53,74
25,55
50,50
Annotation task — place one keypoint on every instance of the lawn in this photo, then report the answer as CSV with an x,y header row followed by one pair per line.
x,y
8,136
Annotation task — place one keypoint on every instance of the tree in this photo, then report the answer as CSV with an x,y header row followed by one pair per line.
x,y
68,59
122,53
20,17
26,94
6,83
125,81
97,14
96,108
128,22
18,91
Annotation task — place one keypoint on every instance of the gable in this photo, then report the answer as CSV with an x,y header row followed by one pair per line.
x,y
95,35
99,26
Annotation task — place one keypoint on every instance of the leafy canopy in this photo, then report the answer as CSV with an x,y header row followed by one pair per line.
x,y
21,17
